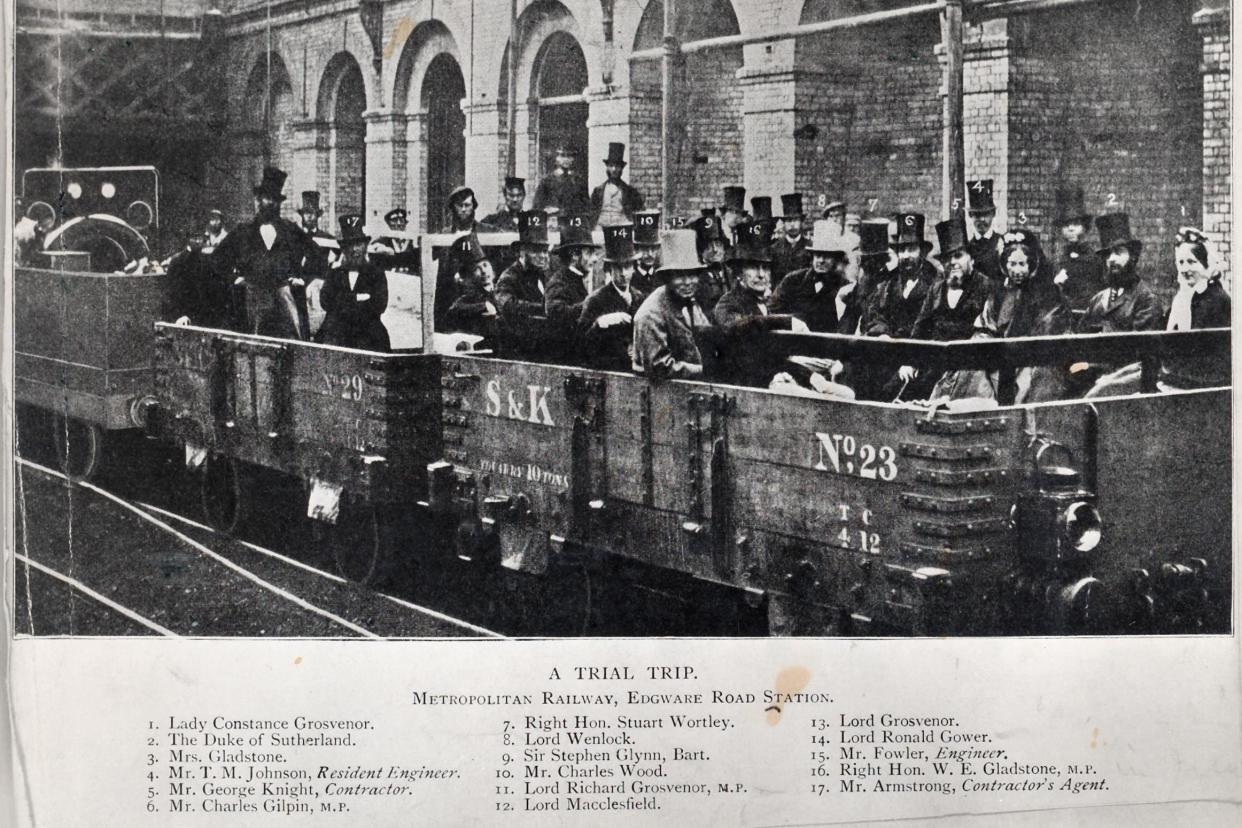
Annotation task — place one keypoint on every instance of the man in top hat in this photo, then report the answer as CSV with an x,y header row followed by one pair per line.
x,y
986,245
563,190
761,210
789,252
463,207
506,220
520,289
810,293
646,250
712,247
877,259
606,325
473,308
328,249
897,301
1078,273
355,294
732,210
615,201
215,231
263,259
567,284
666,321
395,252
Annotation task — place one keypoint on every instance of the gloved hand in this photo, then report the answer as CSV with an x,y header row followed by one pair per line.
x,y
798,326
907,372
609,320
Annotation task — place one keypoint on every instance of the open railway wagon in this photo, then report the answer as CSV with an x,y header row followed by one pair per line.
x,y
83,330
1108,515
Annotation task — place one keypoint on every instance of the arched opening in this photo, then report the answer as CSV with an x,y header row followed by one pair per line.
x,y
707,132
442,93
561,115
269,113
869,115
342,100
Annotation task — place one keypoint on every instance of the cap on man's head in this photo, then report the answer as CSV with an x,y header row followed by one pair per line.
x,y
512,182
460,194
833,207
397,215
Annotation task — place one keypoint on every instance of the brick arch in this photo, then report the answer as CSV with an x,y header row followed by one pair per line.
x,y
426,42
340,155
254,147
539,22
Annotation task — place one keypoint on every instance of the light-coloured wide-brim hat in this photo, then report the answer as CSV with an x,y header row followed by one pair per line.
x,y
679,251
827,237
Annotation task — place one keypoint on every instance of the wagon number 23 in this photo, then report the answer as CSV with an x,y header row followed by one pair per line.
x,y
842,454
348,386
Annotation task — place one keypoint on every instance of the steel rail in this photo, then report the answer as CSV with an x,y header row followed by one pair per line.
x,y
100,598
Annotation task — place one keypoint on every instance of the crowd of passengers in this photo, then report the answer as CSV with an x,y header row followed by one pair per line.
x,y
695,298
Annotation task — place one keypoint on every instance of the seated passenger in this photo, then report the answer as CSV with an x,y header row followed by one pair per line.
x,y
192,293
606,325
1079,274
810,294
354,295
1200,302
899,298
521,288
473,309
567,286
667,320
712,245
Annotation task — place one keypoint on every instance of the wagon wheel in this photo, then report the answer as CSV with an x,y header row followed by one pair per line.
x,y
220,487
79,446
355,543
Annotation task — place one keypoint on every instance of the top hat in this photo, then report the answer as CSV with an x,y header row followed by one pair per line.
x,y
272,184
1114,229
707,211
1070,207
512,182
979,193
873,237
910,229
761,207
791,205
708,229
734,198
647,227
396,215
532,228
616,153
310,202
467,249
827,237
575,232
461,192
752,243
833,205
619,243
352,231
952,235
677,252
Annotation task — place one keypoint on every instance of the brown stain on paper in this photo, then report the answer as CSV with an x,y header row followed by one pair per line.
x,y
788,680
400,34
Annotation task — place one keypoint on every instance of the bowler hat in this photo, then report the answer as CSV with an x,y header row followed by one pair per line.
x,y
512,182
533,228
1070,207
575,232
952,235
1114,229
791,205
647,227
397,215
616,153
310,202
467,249
734,199
979,194
272,184
826,237
910,228
678,253
619,243
352,231
752,243
873,237
761,207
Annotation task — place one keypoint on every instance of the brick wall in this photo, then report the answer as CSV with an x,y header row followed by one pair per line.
x,y
1109,97
874,101
1217,207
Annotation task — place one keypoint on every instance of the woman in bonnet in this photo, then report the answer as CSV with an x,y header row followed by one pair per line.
x,y
1200,302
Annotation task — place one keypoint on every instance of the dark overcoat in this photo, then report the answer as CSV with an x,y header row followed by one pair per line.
x,y
608,348
349,320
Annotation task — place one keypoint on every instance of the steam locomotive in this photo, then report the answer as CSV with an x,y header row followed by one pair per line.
x,y
831,517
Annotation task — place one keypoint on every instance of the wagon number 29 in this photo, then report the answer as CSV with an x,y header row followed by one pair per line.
x,y
348,386
842,454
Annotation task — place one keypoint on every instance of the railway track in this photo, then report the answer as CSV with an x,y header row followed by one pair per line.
x,y
267,579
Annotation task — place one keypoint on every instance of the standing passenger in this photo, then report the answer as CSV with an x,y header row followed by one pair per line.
x,y
355,295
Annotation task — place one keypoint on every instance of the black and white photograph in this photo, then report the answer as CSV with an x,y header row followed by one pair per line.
x,y
553,319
